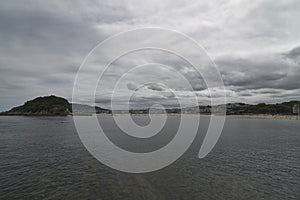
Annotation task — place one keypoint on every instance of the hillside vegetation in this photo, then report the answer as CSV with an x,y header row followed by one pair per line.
x,y
48,105
285,108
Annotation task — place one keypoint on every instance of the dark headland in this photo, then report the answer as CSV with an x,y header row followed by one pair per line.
x,y
52,106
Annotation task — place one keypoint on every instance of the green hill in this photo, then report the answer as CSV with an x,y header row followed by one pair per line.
x,y
46,106
285,108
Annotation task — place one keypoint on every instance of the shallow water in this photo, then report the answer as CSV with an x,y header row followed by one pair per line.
x,y
43,157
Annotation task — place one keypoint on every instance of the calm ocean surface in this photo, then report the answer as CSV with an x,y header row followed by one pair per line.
x,y
43,158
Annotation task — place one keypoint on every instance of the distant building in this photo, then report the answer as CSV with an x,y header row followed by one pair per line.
x,y
296,109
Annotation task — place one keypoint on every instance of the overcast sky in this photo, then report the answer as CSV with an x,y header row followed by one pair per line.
x,y
255,44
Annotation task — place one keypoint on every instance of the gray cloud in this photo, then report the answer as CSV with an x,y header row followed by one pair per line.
x,y
275,71
255,45
156,87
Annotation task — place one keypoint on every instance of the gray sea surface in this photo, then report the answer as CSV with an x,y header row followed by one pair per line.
x,y
43,158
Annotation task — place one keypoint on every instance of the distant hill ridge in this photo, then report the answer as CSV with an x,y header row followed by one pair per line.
x,y
58,106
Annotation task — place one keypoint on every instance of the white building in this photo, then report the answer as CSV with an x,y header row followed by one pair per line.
x,y
296,109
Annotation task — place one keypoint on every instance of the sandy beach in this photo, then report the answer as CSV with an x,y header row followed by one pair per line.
x,y
289,117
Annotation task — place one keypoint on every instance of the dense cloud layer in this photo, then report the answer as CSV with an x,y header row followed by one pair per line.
x,y
255,45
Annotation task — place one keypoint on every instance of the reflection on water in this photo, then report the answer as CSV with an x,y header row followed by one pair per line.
x,y
42,157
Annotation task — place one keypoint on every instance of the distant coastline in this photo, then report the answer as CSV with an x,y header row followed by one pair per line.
x,y
287,117
58,106
257,116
